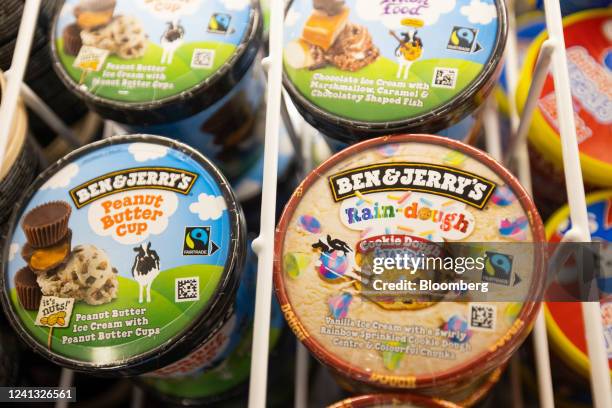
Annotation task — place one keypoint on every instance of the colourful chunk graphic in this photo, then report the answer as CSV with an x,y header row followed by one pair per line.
x,y
459,326
339,305
333,265
503,196
296,262
515,229
392,359
309,224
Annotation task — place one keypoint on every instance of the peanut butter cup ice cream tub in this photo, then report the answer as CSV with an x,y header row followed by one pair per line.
x,y
124,258
359,68
187,70
400,192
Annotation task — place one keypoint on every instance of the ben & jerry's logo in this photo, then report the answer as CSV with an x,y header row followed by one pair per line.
x,y
427,178
159,178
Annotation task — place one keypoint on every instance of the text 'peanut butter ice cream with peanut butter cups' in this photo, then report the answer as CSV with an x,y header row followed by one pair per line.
x,y
356,69
184,69
380,200
125,257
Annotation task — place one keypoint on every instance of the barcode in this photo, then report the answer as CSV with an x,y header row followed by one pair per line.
x,y
187,289
445,78
202,58
482,316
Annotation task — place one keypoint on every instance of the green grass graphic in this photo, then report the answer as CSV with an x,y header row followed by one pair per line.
x,y
384,68
179,73
161,312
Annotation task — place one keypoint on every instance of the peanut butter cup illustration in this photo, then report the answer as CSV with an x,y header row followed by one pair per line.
x,y
83,273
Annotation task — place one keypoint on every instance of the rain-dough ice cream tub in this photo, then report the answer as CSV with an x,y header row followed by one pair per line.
x,y
124,258
588,41
384,190
185,69
358,68
564,319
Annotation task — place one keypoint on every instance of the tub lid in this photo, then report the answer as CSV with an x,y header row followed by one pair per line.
x,y
153,61
567,334
123,256
588,42
357,68
381,196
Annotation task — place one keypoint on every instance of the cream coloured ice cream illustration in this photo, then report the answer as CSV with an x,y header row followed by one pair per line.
x,y
88,276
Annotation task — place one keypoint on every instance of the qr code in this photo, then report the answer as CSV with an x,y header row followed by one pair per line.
x,y
202,58
445,78
482,317
186,289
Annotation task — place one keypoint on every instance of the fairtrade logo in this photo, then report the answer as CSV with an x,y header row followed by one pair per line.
x,y
463,39
498,269
197,242
219,23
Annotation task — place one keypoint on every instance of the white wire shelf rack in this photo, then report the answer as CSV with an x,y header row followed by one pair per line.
x,y
552,57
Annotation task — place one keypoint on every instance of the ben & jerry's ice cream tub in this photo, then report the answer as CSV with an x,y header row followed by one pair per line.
x,y
20,163
124,258
564,319
397,192
228,378
393,401
466,130
359,68
588,42
182,69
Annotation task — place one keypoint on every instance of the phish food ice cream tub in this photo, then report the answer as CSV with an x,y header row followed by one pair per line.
x,y
564,319
588,40
359,68
380,193
124,258
185,69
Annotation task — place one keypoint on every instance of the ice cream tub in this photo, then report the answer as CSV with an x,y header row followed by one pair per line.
x,y
182,69
385,191
20,163
393,400
574,6
466,130
357,68
564,319
588,41
229,377
124,258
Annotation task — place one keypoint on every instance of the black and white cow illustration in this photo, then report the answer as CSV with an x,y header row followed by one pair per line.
x,y
171,40
145,269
